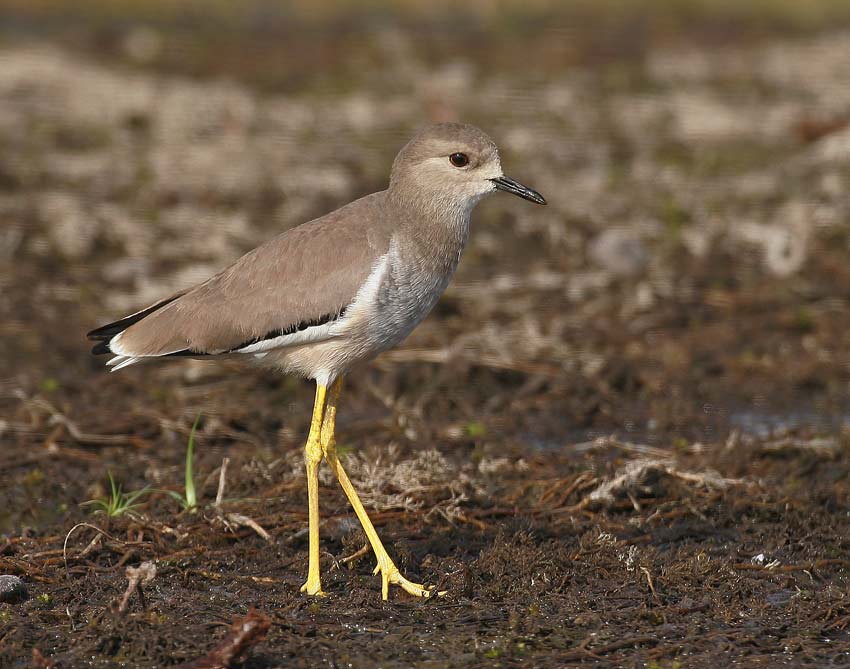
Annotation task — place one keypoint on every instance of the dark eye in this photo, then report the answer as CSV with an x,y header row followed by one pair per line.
x,y
459,159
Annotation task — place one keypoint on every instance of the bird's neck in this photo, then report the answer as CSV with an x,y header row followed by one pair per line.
x,y
436,229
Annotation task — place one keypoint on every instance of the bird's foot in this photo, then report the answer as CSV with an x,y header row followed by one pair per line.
x,y
390,574
313,587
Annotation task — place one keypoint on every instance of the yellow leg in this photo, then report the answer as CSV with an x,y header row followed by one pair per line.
x,y
389,572
312,459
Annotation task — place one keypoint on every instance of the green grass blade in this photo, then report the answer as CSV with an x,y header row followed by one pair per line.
x,y
101,504
131,497
117,502
116,489
177,497
191,499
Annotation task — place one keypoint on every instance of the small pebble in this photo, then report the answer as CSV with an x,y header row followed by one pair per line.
x,y
12,589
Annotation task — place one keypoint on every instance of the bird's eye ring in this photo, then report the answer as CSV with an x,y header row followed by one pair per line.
x,y
459,159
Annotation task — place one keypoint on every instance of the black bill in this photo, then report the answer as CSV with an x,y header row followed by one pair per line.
x,y
510,186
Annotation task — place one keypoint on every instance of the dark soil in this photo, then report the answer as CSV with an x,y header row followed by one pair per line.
x,y
621,440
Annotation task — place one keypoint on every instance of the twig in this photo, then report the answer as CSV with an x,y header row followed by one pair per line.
x,y
243,633
244,521
651,584
611,441
92,545
231,519
222,477
138,576
261,580
359,553
577,482
68,536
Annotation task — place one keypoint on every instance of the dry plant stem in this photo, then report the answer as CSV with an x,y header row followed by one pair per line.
x,y
572,486
71,531
94,543
635,474
650,583
244,632
137,576
237,519
246,521
356,555
222,478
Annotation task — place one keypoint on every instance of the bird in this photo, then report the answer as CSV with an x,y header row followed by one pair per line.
x,y
333,292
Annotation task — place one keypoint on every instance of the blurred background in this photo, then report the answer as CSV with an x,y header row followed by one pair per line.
x,y
687,288
689,277
690,274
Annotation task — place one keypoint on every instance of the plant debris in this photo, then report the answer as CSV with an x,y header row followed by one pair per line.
x,y
244,633
642,478
137,577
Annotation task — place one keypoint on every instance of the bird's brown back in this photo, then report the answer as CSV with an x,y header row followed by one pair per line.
x,y
306,274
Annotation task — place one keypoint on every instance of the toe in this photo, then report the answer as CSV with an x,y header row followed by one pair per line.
x,y
313,589
390,575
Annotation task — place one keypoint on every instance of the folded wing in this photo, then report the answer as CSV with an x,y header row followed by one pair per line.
x,y
284,292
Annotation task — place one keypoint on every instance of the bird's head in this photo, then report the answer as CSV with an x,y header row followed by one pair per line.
x,y
452,164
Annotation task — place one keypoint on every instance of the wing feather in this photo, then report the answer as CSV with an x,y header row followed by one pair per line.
x,y
305,277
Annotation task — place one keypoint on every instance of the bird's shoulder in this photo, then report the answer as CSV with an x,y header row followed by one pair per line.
x,y
344,237
307,273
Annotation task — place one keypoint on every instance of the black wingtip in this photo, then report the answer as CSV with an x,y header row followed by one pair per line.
x,y
106,332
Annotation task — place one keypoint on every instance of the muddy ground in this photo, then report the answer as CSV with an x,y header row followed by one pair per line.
x,y
621,440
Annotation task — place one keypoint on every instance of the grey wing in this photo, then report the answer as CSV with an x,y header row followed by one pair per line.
x,y
295,283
